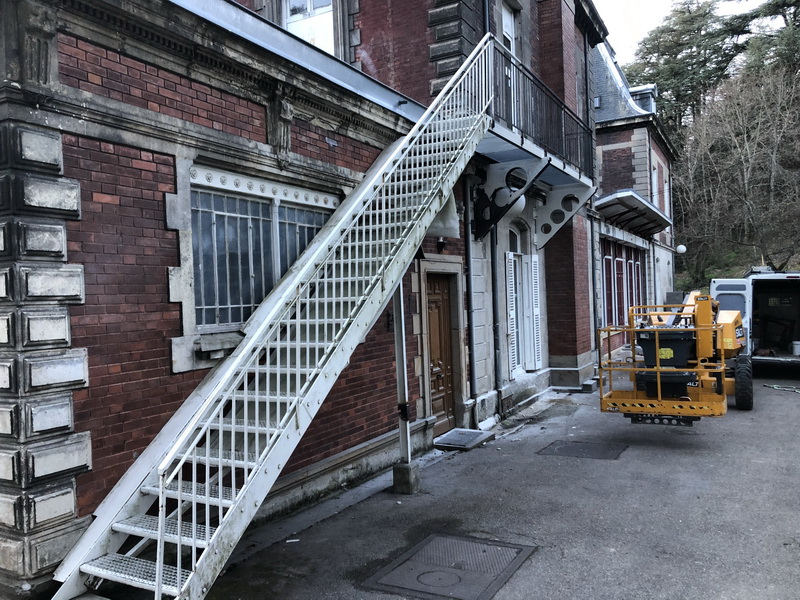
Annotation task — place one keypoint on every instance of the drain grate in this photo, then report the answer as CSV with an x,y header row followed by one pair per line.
x,y
584,450
444,566
462,439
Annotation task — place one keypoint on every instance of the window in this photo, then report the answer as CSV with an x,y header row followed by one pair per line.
x,y
622,281
312,21
242,245
523,306
509,29
508,103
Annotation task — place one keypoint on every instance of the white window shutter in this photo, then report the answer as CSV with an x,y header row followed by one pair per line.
x,y
528,330
511,311
537,314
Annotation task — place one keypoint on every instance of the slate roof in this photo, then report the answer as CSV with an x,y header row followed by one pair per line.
x,y
612,89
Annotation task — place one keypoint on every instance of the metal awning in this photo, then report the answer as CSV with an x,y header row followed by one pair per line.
x,y
628,210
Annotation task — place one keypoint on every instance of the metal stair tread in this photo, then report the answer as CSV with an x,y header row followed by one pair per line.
x,y
225,458
146,526
272,369
136,572
220,495
252,396
227,424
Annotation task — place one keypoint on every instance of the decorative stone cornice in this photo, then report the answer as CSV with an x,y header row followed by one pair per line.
x,y
262,188
194,48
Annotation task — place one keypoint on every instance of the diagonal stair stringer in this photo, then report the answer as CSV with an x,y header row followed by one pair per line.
x,y
208,471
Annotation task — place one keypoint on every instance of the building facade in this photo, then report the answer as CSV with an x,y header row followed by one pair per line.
x,y
167,165
633,241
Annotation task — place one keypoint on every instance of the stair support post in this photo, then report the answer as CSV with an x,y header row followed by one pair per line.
x,y
405,473
402,372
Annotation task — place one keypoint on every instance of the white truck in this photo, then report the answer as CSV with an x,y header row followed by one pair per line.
x,y
770,305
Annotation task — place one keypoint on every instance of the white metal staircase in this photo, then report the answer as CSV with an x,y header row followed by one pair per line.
x,y
175,517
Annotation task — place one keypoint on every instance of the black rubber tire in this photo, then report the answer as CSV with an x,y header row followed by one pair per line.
x,y
743,378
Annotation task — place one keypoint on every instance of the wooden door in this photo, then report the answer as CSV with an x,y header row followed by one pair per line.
x,y
440,353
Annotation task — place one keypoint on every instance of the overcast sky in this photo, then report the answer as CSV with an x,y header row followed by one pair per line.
x,y
628,21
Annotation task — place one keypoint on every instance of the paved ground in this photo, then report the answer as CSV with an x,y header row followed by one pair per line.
x,y
707,512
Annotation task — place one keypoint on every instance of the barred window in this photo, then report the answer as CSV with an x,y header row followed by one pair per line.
x,y
242,246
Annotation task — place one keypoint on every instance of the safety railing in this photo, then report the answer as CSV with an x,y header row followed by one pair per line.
x,y
529,107
294,334
663,340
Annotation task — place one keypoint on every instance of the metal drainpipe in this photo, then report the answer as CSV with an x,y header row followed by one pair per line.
x,y
595,272
493,266
473,382
498,382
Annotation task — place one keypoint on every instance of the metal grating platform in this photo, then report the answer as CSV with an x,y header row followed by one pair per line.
x,y
444,566
584,450
135,572
462,439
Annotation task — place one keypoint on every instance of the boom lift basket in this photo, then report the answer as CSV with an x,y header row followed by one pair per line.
x,y
676,372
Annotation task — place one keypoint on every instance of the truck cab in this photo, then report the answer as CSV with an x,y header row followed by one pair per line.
x,y
769,302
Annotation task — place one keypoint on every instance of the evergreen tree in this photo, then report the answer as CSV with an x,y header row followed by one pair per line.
x,y
687,56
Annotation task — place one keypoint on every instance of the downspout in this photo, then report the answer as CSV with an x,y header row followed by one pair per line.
x,y
498,381
595,273
653,200
473,382
654,260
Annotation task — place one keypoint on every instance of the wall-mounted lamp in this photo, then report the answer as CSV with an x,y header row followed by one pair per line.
x,y
680,249
440,244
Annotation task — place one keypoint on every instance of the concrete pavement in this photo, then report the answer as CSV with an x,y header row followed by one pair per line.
x,y
705,512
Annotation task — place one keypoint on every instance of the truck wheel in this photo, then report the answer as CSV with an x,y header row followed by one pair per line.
x,y
743,380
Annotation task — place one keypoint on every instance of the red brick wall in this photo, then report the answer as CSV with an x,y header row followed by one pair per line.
x,y
622,136
558,34
552,45
533,38
616,172
568,293
314,142
94,69
127,320
395,39
363,403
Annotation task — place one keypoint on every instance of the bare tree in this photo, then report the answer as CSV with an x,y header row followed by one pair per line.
x,y
738,185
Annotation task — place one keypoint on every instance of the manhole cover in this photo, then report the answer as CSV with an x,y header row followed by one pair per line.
x,y
443,566
462,439
584,450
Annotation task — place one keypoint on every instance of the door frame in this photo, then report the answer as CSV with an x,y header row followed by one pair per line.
x,y
453,267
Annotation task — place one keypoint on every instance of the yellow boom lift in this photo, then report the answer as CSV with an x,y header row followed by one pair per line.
x,y
692,356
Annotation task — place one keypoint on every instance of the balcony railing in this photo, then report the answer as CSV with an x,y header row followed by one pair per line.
x,y
527,106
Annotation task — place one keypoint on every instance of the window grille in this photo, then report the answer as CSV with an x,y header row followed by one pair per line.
x,y
240,251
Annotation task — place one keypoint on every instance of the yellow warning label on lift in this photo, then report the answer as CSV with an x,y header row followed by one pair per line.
x,y
727,343
664,353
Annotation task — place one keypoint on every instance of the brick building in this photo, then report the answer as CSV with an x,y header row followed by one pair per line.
x,y
169,164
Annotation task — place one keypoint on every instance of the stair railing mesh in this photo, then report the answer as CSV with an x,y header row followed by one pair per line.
x,y
261,387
